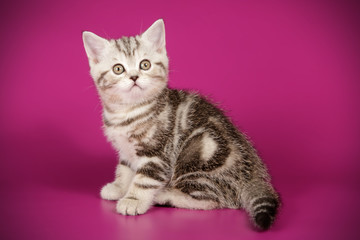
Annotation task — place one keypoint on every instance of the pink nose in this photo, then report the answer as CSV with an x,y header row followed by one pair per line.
x,y
134,78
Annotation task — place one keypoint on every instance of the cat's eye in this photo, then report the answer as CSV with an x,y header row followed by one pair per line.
x,y
145,64
118,69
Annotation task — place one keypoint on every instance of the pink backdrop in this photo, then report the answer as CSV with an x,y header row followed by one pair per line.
x,y
287,72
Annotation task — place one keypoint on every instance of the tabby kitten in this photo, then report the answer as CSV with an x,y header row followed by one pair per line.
x,y
175,148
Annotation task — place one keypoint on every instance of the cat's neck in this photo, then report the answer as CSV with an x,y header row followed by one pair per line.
x,y
115,108
124,108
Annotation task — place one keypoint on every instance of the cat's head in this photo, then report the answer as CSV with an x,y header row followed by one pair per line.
x,y
129,70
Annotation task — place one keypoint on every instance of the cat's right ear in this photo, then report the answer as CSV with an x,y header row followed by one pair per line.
x,y
155,34
94,46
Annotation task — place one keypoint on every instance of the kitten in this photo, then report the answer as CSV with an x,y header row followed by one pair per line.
x,y
175,148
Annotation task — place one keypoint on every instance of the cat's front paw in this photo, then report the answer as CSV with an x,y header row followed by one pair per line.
x,y
131,206
111,192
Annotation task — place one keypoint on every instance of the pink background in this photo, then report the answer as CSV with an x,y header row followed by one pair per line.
x,y
287,72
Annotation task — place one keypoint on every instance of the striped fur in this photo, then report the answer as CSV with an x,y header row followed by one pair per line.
x,y
175,147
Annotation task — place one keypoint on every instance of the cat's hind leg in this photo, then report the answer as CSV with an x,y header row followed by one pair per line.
x,y
176,198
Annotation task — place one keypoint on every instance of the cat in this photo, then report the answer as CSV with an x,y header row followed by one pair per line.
x,y
175,147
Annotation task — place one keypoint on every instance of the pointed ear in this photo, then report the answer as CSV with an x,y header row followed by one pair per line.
x,y
94,46
156,34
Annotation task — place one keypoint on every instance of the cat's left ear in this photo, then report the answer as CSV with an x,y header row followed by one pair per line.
x,y
156,35
94,46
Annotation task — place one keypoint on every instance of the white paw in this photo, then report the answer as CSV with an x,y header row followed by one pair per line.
x,y
130,206
111,192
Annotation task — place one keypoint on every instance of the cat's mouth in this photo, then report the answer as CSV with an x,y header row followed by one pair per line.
x,y
135,86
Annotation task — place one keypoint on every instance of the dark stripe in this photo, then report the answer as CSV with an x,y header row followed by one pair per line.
x,y
247,163
246,174
205,197
152,170
193,176
160,64
160,142
123,50
247,167
101,77
167,204
156,109
264,215
107,108
137,45
262,200
146,186
138,136
160,77
192,186
141,104
269,209
126,42
154,166
125,163
131,120
228,188
118,46
138,117
107,122
128,47
131,198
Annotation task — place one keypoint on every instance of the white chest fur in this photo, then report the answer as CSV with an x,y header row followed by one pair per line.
x,y
120,141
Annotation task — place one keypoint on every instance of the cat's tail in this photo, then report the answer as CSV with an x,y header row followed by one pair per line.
x,y
261,202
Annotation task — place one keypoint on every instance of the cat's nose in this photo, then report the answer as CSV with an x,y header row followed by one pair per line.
x,y
134,77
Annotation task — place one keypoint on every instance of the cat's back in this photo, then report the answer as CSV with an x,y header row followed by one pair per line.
x,y
194,115
193,111
193,105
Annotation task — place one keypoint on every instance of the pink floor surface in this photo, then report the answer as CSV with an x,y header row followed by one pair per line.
x,y
287,72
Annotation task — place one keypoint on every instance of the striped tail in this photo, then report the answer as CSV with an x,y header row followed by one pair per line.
x,y
264,210
261,202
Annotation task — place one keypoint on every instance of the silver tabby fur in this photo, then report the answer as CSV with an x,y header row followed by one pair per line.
x,y
175,147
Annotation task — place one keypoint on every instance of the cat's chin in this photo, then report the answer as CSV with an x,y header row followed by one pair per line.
x,y
139,94
136,94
